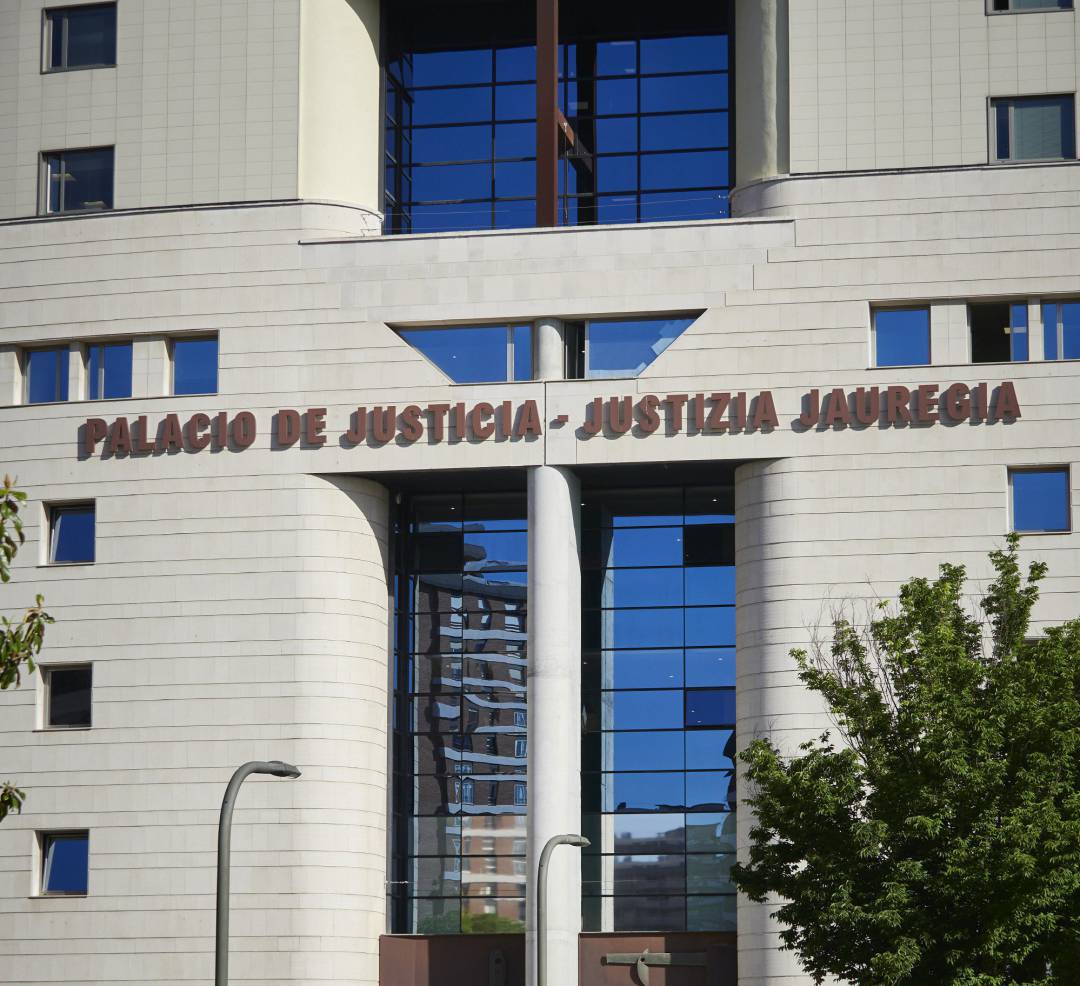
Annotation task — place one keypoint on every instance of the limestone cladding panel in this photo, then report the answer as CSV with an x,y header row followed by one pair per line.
x,y
202,106
227,620
238,606
878,84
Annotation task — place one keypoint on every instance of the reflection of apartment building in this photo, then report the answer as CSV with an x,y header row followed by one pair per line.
x,y
474,410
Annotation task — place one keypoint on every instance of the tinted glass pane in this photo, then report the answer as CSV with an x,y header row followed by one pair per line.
x,y
633,548
643,751
710,790
66,864
650,913
711,749
616,174
711,833
1042,128
501,549
470,354
634,587
56,35
639,710
109,370
72,534
708,546
712,707
485,916
515,64
195,366
710,626
662,133
709,873
436,877
670,206
644,628
616,96
658,874
616,134
439,68
689,169
626,347
1070,329
523,364
636,792
441,144
437,916
711,913
516,178
635,668
1040,500
515,102
514,215
86,180
451,181
515,140
713,666
464,105
1050,331
684,92
69,696
47,375
635,833
710,585
91,36
692,54
1018,335
902,337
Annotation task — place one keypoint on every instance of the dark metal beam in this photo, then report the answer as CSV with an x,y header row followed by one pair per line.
x,y
547,112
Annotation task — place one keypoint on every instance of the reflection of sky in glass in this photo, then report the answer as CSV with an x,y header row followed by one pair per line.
x,y
902,337
47,375
66,864
195,366
73,534
625,347
109,370
1040,500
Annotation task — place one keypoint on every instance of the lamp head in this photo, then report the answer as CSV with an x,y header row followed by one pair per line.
x,y
280,769
578,840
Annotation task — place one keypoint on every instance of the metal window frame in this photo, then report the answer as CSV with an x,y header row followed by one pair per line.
x,y
56,510
48,14
1050,7
103,344
1063,467
45,838
47,672
45,179
993,103
876,309
193,337
25,360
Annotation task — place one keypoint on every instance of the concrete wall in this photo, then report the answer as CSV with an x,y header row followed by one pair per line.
x,y
202,106
877,84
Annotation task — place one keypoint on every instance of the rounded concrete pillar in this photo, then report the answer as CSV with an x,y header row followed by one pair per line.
x,y
761,90
550,349
554,729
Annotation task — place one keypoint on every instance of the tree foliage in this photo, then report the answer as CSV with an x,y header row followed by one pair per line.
x,y
20,641
937,840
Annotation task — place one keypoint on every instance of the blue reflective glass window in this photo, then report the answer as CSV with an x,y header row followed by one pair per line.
x,y
710,626
688,54
636,668
462,105
195,365
65,863
642,710
109,370
672,206
902,337
666,94
615,96
1050,331
515,64
515,140
615,134
661,750
444,144
1040,499
82,37
640,587
647,627
514,215
451,181
688,169
515,179
624,347
710,585
616,173
710,749
1035,128
717,913
451,68
616,209
710,666
80,181
71,538
710,707
637,792
616,58
1018,332
523,363
710,790
47,375
633,547
1061,330
515,102
684,131
467,354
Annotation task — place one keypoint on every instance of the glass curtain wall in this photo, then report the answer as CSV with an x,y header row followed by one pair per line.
x,y
658,772
460,715
646,91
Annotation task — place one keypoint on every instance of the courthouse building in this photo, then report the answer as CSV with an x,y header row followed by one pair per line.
x,y
472,404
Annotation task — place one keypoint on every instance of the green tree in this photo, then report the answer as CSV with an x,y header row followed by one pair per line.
x,y
21,641
937,844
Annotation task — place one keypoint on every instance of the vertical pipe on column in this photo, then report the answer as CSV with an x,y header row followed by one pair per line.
x,y
554,702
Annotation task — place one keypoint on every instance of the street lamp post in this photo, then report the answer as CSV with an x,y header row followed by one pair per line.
x,y
277,769
541,898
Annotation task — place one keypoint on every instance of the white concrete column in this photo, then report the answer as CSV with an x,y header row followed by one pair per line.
x,y
554,771
550,349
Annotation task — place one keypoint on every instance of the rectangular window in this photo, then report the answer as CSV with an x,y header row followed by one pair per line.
x,y
71,533
109,370
1033,128
77,181
65,862
67,696
80,37
999,332
1040,499
1061,330
46,375
195,365
902,337
476,353
1017,6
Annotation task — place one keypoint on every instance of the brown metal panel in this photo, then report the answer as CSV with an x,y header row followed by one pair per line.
x,y
547,112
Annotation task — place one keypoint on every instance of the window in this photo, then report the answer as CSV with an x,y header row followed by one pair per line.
x,y
476,353
624,347
71,533
64,862
1040,499
109,370
1061,330
646,94
80,37
195,365
999,332
902,337
77,181
46,375
67,696
1016,6
1033,128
